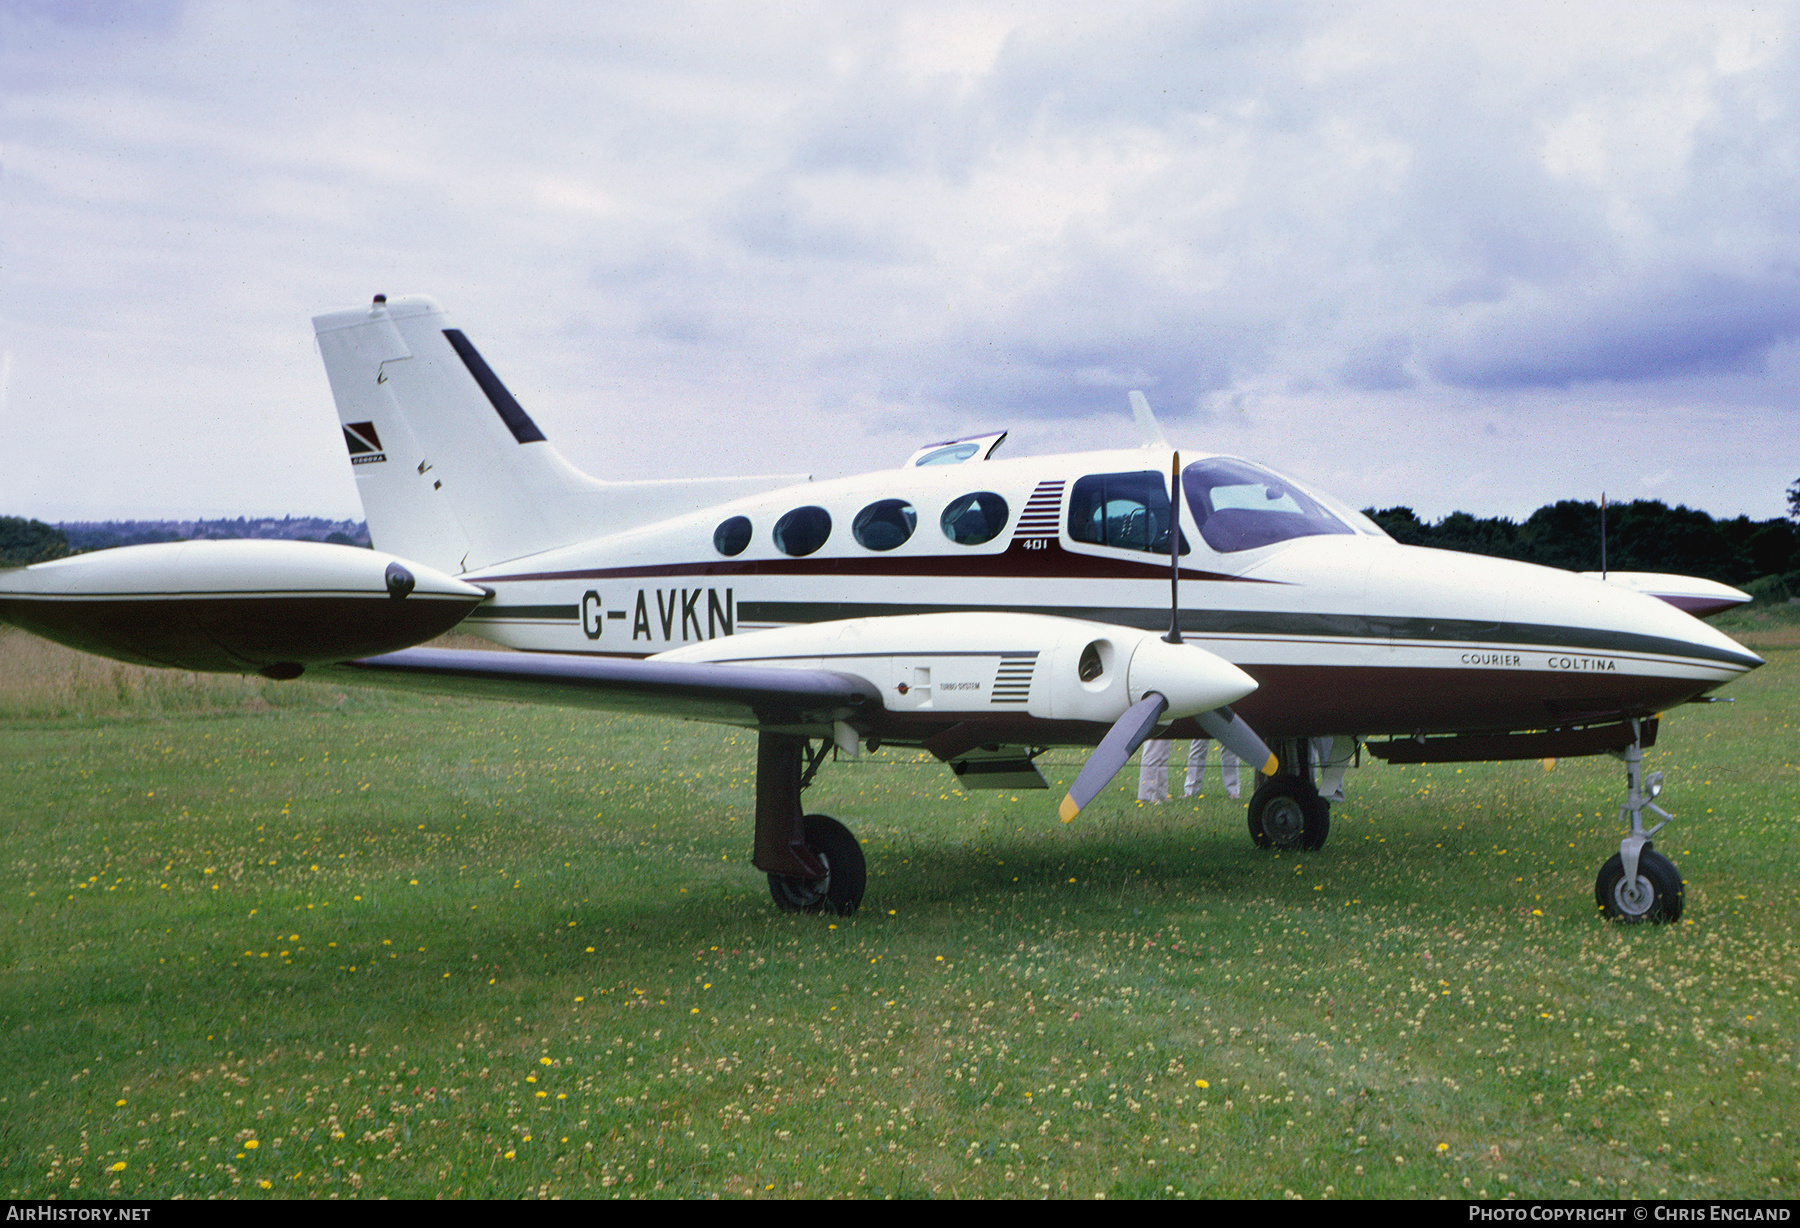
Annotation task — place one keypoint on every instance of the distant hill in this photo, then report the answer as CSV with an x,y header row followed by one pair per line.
x,y
86,535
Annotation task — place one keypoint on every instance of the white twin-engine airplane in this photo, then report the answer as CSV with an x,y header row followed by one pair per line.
x,y
981,609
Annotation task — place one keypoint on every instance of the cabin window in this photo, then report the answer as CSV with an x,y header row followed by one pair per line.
x,y
802,531
1128,511
732,536
974,519
1240,506
884,525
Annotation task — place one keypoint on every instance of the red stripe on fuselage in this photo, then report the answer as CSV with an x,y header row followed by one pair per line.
x,y
1026,558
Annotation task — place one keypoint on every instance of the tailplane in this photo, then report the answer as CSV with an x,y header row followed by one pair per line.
x,y
451,469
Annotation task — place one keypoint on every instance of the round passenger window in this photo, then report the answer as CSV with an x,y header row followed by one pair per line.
x,y
885,524
802,530
974,519
732,535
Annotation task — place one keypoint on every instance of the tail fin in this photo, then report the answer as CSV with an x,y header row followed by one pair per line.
x,y
451,469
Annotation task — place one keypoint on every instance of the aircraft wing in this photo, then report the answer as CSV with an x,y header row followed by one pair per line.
x,y
1688,593
976,680
751,696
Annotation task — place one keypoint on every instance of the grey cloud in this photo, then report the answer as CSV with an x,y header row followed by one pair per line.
x,y
1684,323
96,14
1126,66
778,229
1226,204
1379,366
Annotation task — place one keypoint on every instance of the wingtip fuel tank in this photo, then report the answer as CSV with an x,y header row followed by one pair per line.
x,y
237,607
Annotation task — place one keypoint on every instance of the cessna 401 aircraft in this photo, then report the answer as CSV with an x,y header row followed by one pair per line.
x,y
981,609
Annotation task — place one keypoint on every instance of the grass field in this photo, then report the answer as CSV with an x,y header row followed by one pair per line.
x,y
274,940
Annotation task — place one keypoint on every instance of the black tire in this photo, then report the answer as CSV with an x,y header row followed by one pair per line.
x,y
1286,812
1656,900
846,875
1318,824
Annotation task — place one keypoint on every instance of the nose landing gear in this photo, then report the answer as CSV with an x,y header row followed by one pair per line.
x,y
1286,811
1637,883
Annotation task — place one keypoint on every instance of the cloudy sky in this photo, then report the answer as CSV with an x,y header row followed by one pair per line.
x,y
1411,253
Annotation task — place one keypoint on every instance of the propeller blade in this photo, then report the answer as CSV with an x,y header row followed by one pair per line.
x,y
1174,636
1126,735
1228,729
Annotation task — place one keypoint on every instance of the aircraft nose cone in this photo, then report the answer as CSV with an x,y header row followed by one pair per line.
x,y
1189,677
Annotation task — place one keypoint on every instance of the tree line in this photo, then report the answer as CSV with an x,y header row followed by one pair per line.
x,y
24,541
1759,556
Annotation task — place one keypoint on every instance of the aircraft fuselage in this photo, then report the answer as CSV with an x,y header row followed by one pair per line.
x,y
1345,631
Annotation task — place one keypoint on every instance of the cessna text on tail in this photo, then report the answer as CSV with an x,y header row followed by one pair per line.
x,y
981,609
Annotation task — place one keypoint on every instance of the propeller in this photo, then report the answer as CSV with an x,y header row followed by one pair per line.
x,y
1228,729
1115,750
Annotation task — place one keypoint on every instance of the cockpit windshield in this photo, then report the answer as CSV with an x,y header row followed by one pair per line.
x,y
1240,506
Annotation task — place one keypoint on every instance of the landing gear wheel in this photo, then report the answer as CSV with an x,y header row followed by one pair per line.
x,y
1655,896
841,890
1286,812
1318,825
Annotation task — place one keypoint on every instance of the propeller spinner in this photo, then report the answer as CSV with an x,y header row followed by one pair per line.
x,y
1170,681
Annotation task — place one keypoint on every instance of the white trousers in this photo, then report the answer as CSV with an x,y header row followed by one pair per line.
x,y
1196,773
1153,769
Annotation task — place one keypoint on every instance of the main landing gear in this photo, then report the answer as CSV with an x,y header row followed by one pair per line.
x,y
841,890
1286,811
813,862
1638,883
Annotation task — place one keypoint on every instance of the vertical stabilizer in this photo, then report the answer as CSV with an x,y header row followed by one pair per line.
x,y
406,514
451,469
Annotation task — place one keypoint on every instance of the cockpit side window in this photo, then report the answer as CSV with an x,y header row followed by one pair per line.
x,y
1129,511
1240,506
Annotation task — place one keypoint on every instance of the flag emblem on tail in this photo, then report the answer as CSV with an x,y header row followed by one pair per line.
x,y
364,443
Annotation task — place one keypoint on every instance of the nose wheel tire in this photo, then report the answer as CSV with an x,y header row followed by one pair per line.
x,y
1654,897
1287,813
841,890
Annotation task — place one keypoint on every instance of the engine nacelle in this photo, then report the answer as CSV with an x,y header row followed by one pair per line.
x,y
994,664
235,607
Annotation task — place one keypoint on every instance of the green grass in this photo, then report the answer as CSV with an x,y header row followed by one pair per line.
x,y
422,949
1762,626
